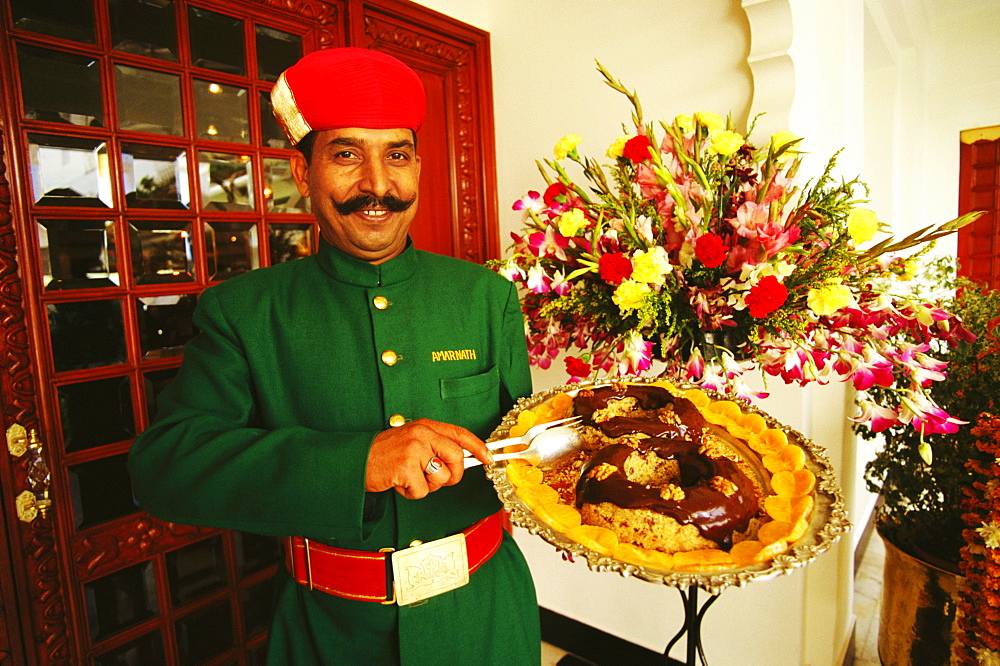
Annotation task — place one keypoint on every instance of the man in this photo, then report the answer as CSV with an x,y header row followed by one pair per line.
x,y
330,400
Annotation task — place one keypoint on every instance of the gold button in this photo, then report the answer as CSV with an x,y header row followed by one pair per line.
x,y
381,302
389,357
397,420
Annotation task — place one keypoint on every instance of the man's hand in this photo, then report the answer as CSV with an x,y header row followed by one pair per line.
x,y
399,456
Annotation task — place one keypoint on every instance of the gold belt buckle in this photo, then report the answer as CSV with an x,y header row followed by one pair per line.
x,y
430,569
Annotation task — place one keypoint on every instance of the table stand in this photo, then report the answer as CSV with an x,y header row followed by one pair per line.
x,y
692,626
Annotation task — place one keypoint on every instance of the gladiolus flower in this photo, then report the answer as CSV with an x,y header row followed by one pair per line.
x,y
614,267
829,298
710,250
862,225
630,294
553,194
766,296
637,148
566,145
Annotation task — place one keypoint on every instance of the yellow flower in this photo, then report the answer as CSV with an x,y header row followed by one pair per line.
x,y
990,532
712,121
685,123
778,139
571,222
650,266
615,149
829,298
566,145
862,225
726,142
629,295
909,271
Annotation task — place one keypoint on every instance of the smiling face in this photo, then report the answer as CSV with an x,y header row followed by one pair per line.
x,y
359,181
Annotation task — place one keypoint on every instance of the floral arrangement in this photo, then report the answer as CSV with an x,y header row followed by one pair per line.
x,y
696,248
979,604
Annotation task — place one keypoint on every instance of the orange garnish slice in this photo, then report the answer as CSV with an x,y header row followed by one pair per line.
x,y
770,551
754,423
744,552
789,458
538,494
792,484
560,403
775,530
698,397
722,412
522,473
628,552
770,440
598,539
706,558
788,509
561,516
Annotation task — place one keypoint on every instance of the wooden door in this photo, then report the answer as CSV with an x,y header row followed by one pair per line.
x,y
979,189
140,165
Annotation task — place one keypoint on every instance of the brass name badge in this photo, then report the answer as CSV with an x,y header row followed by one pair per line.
x,y
430,569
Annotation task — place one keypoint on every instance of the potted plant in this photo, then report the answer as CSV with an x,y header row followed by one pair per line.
x,y
920,478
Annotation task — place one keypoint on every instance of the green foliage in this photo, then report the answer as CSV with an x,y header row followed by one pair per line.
x,y
924,499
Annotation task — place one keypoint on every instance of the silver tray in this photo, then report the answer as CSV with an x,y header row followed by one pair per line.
x,y
827,524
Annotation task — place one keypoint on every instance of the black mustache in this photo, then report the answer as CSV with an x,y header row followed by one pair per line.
x,y
362,201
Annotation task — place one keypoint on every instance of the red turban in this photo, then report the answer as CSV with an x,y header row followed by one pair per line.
x,y
347,87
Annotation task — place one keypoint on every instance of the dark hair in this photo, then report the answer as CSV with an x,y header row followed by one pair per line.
x,y
305,146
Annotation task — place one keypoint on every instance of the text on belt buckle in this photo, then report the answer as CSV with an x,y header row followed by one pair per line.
x,y
432,568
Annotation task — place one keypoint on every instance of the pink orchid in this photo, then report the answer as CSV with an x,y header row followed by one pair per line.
x,y
538,281
878,418
530,203
871,369
549,244
559,284
637,356
925,415
694,367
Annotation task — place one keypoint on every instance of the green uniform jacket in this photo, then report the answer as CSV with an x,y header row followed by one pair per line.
x,y
268,424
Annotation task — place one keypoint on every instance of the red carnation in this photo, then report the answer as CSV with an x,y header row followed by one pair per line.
x,y
553,192
614,267
637,148
710,250
576,367
766,296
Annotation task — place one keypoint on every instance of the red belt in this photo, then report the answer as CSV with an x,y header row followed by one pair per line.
x,y
366,575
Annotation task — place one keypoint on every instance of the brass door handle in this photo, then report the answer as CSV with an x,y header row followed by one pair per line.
x,y
34,502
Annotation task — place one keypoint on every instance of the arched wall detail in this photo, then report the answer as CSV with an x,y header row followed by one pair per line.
x,y
770,63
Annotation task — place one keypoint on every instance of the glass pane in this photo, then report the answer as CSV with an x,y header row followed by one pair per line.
x,y
255,552
216,41
69,171
60,87
78,254
155,382
164,324
280,191
231,249
96,413
155,176
144,651
222,111
274,136
148,101
276,52
196,570
257,603
161,251
290,241
205,633
225,181
120,600
101,491
87,334
145,27
69,19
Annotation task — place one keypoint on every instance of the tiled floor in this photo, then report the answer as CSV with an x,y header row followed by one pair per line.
x,y
867,596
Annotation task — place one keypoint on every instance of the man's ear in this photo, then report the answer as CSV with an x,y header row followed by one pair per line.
x,y
300,171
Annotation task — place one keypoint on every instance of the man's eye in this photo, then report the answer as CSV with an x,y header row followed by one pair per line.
x,y
399,156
